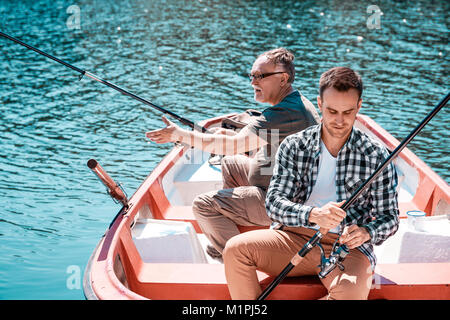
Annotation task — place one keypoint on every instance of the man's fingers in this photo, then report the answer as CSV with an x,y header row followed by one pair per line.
x,y
330,225
337,218
334,221
150,136
350,245
338,212
335,206
352,228
166,121
334,217
345,235
155,133
340,204
155,136
156,140
351,236
353,242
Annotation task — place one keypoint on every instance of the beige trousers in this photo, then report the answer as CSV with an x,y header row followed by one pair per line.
x,y
219,212
271,250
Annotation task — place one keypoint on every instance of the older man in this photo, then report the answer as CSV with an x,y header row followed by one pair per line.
x,y
315,171
245,179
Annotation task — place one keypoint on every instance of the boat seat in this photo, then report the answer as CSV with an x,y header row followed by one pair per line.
x,y
167,241
194,179
165,281
184,213
181,213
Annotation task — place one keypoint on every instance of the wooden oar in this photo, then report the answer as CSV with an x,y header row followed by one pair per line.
x,y
319,234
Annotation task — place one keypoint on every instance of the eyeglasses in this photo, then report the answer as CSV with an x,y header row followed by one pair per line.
x,y
262,75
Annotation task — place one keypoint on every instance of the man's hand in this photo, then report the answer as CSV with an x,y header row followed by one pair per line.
x,y
329,216
171,133
354,236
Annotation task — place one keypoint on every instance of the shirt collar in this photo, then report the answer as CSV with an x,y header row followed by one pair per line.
x,y
352,140
291,97
316,140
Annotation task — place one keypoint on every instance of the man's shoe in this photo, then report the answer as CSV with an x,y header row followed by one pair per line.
x,y
212,252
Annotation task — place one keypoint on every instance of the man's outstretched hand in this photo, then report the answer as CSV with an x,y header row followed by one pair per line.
x,y
168,134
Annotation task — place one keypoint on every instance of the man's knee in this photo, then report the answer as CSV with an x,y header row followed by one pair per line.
x,y
202,204
234,247
350,290
228,159
248,246
226,163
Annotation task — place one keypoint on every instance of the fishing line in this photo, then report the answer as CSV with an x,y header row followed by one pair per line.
x,y
83,73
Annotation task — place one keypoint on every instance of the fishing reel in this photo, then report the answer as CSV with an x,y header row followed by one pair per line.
x,y
336,258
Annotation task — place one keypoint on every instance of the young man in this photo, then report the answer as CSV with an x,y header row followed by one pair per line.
x,y
245,180
316,170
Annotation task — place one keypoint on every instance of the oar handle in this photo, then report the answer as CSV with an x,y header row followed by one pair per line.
x,y
114,189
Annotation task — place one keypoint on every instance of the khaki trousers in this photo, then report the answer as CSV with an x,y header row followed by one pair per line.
x,y
219,212
271,250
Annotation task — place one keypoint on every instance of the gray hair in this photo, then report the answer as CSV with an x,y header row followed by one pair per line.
x,y
284,57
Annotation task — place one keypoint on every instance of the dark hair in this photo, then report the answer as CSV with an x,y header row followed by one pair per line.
x,y
342,79
282,57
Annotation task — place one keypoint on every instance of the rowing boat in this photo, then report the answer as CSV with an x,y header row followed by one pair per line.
x,y
154,248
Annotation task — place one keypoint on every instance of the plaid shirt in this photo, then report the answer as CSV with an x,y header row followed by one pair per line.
x,y
296,170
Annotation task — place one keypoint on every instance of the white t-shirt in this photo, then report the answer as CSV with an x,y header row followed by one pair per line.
x,y
324,190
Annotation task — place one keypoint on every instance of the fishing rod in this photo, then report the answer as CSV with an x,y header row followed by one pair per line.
x,y
338,255
185,121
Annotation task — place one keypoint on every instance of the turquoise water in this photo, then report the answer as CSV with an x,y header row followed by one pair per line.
x,y
190,57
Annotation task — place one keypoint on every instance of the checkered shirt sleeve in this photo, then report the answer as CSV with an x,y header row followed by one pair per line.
x,y
284,188
385,204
